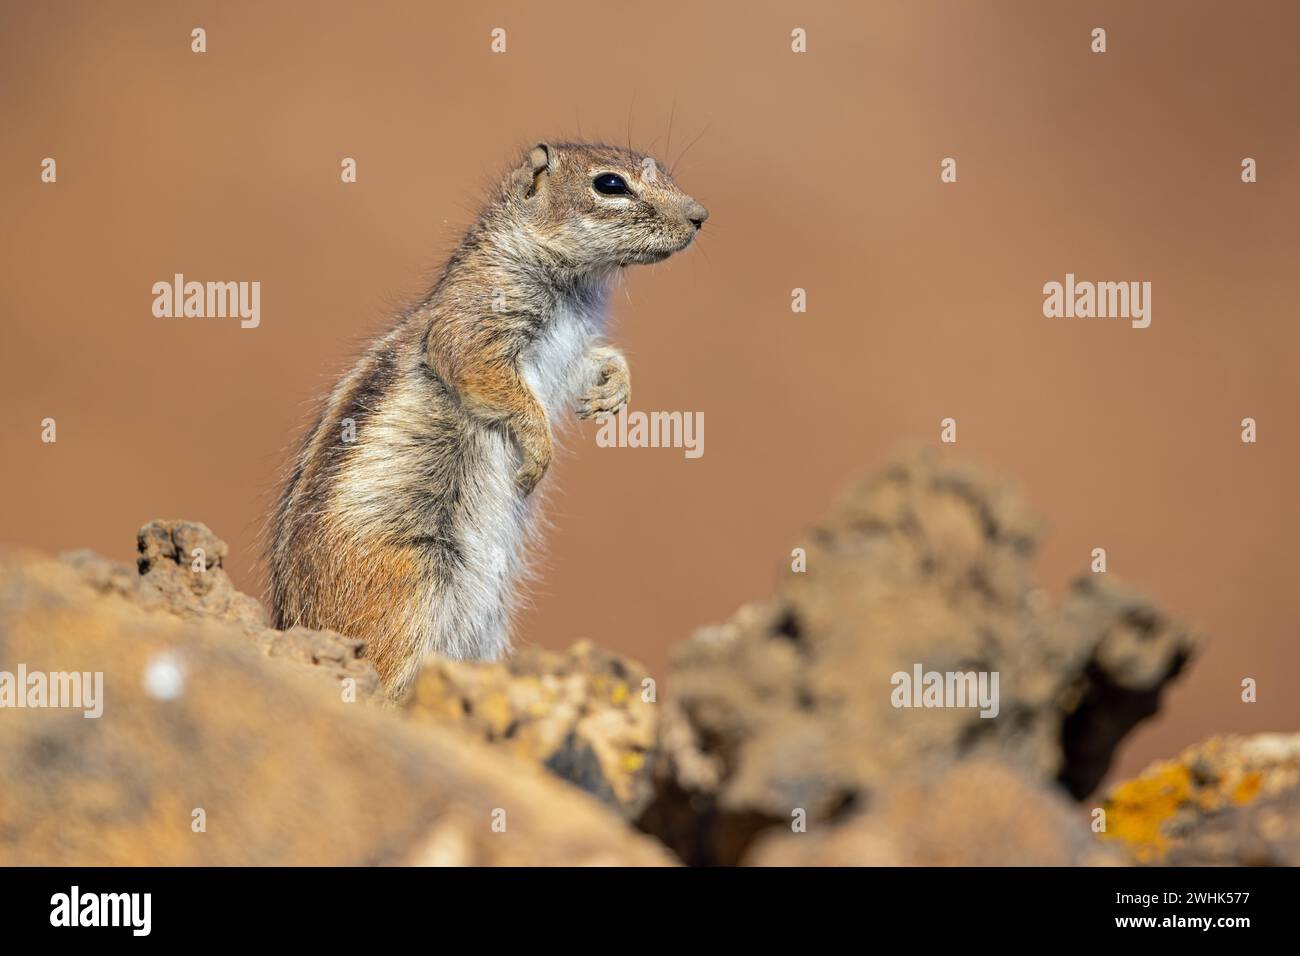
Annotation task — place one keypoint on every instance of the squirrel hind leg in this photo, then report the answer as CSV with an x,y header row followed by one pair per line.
x,y
454,618
470,622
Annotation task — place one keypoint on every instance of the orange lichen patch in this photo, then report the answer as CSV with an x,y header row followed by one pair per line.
x,y
1153,814
1137,810
1247,789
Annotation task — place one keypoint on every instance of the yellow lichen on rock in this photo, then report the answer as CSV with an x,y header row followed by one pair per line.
x,y
575,713
1165,811
1137,810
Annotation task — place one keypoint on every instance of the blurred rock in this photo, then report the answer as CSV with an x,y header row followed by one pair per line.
x,y
581,714
974,813
789,704
198,724
1231,800
179,569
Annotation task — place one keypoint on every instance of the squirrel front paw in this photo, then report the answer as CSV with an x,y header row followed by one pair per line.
x,y
536,459
613,387
527,477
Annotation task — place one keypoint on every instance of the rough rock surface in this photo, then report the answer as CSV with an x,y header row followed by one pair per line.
x,y
586,715
580,714
1230,800
972,813
200,727
789,705
179,570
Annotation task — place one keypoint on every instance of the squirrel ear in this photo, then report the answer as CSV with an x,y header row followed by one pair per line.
x,y
530,176
542,157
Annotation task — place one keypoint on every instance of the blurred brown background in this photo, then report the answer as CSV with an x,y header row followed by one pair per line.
x,y
821,171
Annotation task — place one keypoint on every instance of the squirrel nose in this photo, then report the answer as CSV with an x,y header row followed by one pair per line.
x,y
696,213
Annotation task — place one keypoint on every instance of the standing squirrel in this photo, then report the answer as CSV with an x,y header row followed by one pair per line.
x,y
409,507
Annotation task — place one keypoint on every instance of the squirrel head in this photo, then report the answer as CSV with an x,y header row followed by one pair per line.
x,y
600,207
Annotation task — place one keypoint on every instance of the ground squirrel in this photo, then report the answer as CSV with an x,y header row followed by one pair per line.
x,y
407,513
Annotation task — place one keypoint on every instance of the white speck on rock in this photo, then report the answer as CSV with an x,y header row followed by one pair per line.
x,y
164,676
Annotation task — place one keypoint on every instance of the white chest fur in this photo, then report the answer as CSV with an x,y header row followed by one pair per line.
x,y
497,519
553,366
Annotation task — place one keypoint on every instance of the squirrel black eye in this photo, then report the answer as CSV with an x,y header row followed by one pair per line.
x,y
611,184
